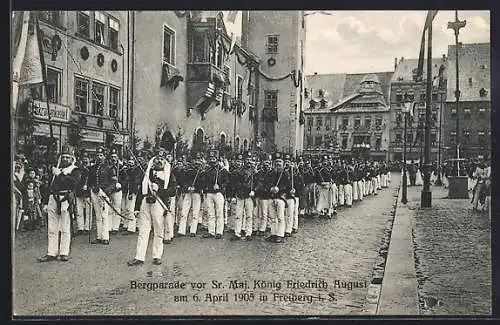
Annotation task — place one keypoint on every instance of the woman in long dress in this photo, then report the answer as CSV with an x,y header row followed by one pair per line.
x,y
418,178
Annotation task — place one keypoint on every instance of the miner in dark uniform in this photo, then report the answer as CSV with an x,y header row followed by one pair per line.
x,y
263,194
309,188
169,214
279,186
115,196
60,206
83,204
101,186
191,187
215,181
241,192
130,179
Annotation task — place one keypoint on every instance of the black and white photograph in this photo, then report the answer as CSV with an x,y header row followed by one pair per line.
x,y
250,163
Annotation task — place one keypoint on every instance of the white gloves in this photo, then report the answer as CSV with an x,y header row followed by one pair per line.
x,y
252,194
190,189
56,171
233,200
118,186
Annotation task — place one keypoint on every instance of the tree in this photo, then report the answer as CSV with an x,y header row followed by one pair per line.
x,y
181,147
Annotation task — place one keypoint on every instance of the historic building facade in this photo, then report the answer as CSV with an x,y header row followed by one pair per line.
x,y
358,113
86,61
405,89
204,86
278,39
474,111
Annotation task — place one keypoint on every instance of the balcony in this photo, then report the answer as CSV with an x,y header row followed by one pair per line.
x,y
205,72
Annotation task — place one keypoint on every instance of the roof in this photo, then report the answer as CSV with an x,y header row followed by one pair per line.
x,y
405,67
332,83
342,88
474,62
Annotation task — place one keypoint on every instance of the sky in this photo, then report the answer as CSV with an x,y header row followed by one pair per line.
x,y
368,41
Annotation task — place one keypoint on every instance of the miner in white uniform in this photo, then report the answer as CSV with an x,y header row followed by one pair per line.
x,y
155,203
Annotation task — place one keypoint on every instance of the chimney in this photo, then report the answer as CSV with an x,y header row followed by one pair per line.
x,y
401,60
444,58
395,63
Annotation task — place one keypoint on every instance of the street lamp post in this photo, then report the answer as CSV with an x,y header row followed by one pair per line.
x,y
456,25
457,184
404,195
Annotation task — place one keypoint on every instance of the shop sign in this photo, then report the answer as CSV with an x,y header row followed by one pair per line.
x,y
57,112
92,136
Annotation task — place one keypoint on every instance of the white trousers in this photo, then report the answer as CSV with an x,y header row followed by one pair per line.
x,y
58,223
341,195
116,201
289,214
348,194
169,219
324,197
334,194
243,216
128,207
215,209
378,182
263,213
151,214
383,179
83,208
295,223
355,193
101,210
190,202
277,214
361,189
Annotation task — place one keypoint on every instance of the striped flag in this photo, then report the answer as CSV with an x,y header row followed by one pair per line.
x,y
428,22
31,71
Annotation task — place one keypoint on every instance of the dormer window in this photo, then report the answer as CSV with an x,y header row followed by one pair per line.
x,y
323,104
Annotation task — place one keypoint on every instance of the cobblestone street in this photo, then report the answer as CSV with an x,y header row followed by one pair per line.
x,y
97,281
453,255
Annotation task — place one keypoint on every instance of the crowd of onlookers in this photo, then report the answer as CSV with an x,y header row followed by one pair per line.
x,y
31,185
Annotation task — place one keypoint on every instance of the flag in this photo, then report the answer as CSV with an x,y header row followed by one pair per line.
x,y
31,71
428,22
231,16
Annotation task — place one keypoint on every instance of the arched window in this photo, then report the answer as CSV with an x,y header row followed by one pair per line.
x,y
198,139
245,145
222,138
237,144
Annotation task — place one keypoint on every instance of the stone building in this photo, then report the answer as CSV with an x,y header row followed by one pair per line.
x,y
201,88
403,87
358,114
474,112
278,39
86,57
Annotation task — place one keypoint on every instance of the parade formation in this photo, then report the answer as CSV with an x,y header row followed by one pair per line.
x,y
249,196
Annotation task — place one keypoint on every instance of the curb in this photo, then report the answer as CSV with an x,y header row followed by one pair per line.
x,y
399,294
374,289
